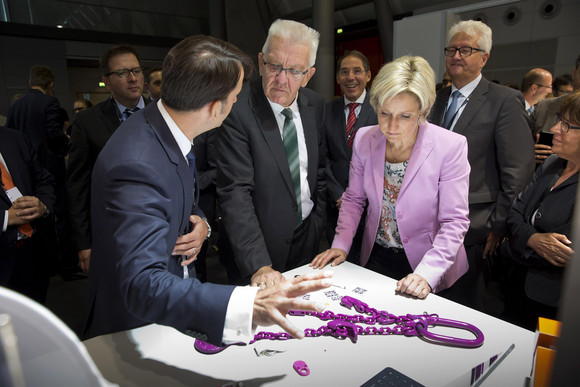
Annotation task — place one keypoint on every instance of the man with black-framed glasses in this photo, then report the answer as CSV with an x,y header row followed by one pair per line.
x,y
270,182
500,153
91,129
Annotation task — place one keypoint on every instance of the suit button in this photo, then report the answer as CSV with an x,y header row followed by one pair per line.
x,y
405,239
400,215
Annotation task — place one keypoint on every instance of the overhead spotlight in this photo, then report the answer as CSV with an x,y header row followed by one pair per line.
x,y
101,84
59,26
339,31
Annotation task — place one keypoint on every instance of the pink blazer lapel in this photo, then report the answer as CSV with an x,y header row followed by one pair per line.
x,y
378,148
423,146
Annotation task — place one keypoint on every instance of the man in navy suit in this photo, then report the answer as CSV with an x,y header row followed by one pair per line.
x,y
344,117
23,264
145,237
500,148
271,185
91,129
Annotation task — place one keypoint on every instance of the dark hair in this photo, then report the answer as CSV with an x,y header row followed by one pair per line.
x,y
532,77
202,69
562,80
356,54
113,52
41,76
570,107
147,73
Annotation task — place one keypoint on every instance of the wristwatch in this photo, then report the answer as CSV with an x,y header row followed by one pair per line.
x,y
208,228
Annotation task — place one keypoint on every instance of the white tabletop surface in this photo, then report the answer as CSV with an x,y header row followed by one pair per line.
x,y
156,355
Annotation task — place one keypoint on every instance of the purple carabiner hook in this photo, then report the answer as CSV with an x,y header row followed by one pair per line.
x,y
344,328
348,302
422,329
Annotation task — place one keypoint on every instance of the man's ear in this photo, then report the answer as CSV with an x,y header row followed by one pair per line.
x,y
307,77
214,109
106,82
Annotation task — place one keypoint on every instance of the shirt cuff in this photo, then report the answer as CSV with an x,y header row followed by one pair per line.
x,y
5,225
238,324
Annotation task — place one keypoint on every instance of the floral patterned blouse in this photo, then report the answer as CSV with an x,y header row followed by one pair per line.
x,y
388,232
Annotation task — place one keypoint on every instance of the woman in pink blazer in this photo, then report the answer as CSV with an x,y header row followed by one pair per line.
x,y
415,177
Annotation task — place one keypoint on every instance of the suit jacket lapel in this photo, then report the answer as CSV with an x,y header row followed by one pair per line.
x,y
155,119
423,146
438,110
269,127
307,116
110,115
378,149
340,122
476,99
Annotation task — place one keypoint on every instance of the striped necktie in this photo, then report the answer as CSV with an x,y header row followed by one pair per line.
x,y
129,112
451,112
291,147
350,123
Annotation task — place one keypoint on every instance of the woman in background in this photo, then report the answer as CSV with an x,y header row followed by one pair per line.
x,y
540,224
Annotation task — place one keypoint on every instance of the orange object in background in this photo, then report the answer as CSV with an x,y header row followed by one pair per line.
x,y
547,336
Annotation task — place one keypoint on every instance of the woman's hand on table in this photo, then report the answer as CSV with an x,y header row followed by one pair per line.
x,y
337,256
553,247
415,285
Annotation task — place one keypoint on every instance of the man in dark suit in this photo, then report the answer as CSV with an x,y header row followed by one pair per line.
x,y
91,129
501,150
38,115
145,237
271,185
344,117
26,199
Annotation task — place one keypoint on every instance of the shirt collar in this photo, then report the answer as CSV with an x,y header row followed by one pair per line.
x,y
277,108
467,89
121,107
359,100
182,140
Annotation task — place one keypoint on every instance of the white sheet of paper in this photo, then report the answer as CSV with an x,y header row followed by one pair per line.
x,y
13,194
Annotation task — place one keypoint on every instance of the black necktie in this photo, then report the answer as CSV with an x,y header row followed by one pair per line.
x,y
191,160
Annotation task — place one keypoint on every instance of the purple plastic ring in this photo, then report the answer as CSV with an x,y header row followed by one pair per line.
x,y
456,341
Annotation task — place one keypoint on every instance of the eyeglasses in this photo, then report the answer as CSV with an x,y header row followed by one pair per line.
x,y
357,71
565,126
547,87
124,73
463,51
277,69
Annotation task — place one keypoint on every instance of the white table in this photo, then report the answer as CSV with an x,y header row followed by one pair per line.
x,y
156,355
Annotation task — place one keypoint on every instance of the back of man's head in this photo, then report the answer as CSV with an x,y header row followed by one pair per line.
x,y
294,32
202,69
41,76
532,77
113,52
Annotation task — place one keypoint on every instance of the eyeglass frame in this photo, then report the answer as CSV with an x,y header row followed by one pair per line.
x,y
458,49
296,76
547,87
119,72
563,123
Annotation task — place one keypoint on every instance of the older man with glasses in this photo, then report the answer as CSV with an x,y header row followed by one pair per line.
x,y
500,148
270,180
91,129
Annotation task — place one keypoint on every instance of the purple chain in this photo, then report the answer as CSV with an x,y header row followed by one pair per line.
x,y
344,325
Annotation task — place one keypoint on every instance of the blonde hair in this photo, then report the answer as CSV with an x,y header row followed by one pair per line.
x,y
407,74
295,33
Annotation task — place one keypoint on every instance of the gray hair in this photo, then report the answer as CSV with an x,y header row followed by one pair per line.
x,y
295,33
474,29
407,74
